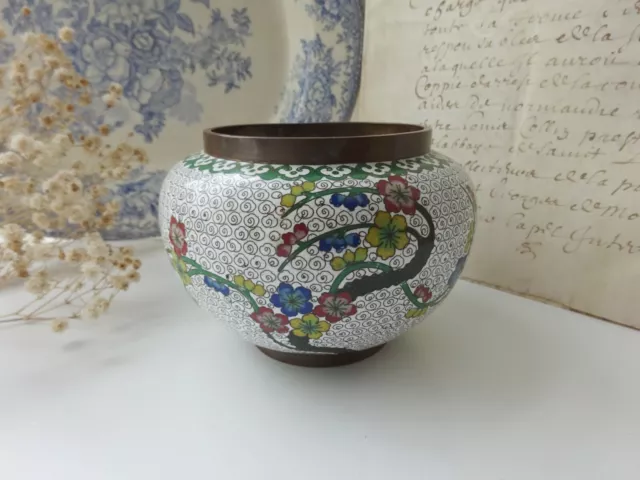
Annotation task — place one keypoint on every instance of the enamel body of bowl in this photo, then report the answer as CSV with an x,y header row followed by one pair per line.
x,y
316,259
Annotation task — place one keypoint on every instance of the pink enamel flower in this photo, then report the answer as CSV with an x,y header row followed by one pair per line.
x,y
300,231
334,307
270,321
178,237
423,293
398,195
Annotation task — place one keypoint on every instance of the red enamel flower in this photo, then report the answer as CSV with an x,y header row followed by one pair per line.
x,y
334,307
178,237
398,195
270,321
423,293
289,239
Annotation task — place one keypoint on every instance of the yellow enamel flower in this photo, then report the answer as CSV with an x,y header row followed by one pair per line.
x,y
254,288
180,267
388,234
416,312
289,200
360,255
309,326
259,290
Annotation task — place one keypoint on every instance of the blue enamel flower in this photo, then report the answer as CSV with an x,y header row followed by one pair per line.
x,y
218,287
292,301
457,271
350,202
339,242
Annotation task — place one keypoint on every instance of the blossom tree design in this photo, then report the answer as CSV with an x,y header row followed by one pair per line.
x,y
295,318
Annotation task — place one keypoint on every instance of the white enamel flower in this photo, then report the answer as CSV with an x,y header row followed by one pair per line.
x,y
254,169
376,168
336,170
293,171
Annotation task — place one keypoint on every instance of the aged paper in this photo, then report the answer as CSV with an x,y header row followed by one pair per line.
x,y
540,101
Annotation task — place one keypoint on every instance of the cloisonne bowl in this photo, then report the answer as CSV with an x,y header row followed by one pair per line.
x,y
320,242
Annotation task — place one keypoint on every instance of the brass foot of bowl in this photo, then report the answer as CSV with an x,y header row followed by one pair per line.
x,y
321,360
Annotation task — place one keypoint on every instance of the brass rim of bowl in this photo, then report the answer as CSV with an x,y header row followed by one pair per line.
x,y
317,143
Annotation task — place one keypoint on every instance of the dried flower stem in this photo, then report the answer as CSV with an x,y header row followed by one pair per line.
x,y
54,167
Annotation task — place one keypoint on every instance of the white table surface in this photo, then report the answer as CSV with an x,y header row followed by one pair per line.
x,y
492,386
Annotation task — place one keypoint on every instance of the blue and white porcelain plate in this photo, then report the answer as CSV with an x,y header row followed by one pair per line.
x,y
190,64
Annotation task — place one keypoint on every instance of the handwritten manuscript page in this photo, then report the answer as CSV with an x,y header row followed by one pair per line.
x,y
540,101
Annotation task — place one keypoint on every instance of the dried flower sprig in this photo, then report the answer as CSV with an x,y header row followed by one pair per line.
x,y
55,166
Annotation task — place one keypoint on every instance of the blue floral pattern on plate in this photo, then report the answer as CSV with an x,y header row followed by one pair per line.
x,y
316,73
150,47
140,45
